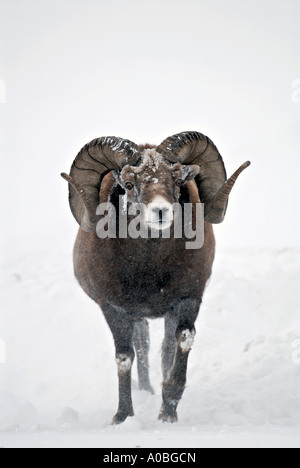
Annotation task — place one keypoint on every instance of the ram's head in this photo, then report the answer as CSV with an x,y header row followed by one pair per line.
x,y
153,176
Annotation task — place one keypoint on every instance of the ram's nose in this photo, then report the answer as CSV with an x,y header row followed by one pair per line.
x,y
160,214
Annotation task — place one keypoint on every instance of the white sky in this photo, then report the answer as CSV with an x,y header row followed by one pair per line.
x,y
143,70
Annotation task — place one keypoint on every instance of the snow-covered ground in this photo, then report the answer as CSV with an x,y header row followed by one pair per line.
x,y
58,387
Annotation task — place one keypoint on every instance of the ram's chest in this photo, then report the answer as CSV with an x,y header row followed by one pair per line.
x,y
146,275
143,279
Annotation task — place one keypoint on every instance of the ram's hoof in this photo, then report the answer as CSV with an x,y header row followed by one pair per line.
x,y
167,416
147,388
121,416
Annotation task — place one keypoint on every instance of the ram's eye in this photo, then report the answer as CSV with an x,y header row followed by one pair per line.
x,y
178,182
129,185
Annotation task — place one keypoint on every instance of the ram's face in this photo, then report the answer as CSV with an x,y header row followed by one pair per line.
x,y
156,184
152,179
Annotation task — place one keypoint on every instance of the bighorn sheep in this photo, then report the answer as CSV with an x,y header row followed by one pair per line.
x,y
133,279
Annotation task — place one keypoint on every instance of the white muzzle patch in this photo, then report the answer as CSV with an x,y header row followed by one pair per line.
x,y
159,214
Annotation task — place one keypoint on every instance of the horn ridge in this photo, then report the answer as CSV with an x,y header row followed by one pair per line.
x,y
196,148
93,161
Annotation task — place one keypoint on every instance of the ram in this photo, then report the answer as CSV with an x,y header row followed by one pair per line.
x,y
134,278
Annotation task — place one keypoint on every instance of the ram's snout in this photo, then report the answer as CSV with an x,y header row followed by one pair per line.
x,y
159,214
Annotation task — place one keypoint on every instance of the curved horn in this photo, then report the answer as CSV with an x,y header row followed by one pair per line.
x,y
196,148
217,208
91,164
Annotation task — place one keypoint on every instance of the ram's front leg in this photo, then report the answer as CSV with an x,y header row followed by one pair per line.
x,y
124,362
141,341
174,383
122,329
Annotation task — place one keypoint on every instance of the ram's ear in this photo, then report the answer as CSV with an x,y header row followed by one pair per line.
x,y
189,173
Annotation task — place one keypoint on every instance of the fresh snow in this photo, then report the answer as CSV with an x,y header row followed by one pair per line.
x,y
187,340
58,387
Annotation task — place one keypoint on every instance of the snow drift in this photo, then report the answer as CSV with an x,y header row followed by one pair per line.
x,y
60,374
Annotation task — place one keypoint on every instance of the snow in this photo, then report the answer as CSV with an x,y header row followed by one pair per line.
x,y
59,383
187,340
2,91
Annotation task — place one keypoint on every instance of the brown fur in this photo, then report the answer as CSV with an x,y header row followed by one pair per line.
x,y
134,282
136,279
147,146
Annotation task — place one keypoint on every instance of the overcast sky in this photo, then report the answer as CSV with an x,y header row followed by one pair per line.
x,y
73,70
